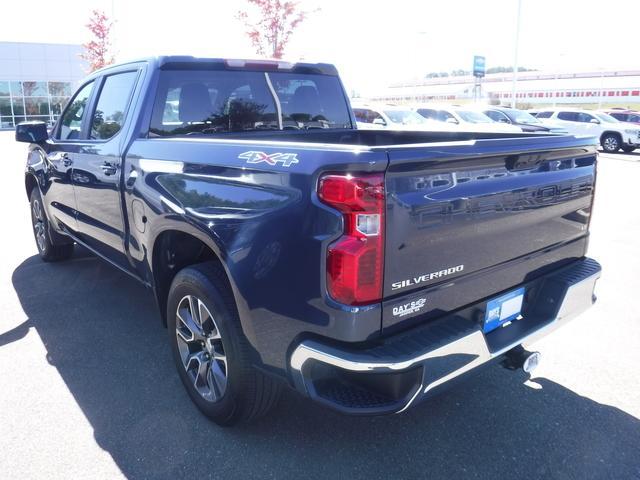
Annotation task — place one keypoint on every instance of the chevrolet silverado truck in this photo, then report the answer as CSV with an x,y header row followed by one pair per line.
x,y
365,269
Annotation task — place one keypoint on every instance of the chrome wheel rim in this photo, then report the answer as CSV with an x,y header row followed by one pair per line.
x,y
201,349
610,143
39,228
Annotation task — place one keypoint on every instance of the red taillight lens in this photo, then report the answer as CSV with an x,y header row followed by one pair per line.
x,y
356,260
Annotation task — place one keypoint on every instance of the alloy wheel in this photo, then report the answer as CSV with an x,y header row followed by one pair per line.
x,y
611,144
201,349
39,227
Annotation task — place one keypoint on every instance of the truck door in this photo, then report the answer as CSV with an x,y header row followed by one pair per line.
x,y
62,148
97,168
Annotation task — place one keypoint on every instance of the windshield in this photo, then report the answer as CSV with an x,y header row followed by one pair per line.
x,y
210,102
473,117
605,117
524,117
405,117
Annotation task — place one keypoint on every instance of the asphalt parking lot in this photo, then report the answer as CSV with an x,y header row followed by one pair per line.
x,y
88,389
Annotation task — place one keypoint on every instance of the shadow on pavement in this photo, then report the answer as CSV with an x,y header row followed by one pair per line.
x,y
103,334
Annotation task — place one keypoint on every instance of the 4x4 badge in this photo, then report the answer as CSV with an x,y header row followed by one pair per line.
x,y
286,159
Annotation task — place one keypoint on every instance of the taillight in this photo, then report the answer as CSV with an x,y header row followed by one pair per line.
x,y
355,261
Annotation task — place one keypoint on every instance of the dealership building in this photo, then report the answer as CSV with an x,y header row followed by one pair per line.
x,y
36,80
592,89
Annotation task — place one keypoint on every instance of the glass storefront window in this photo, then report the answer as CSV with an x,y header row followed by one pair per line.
x,y
32,100
16,89
5,107
60,89
57,104
37,105
18,106
34,89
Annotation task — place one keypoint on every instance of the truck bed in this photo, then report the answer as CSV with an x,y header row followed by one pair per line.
x,y
492,210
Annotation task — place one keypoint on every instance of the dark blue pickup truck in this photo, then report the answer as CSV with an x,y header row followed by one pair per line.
x,y
365,269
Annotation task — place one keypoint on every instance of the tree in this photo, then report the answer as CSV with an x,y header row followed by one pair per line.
x,y
270,24
97,52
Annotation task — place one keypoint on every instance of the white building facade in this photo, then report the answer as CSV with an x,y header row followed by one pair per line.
x,y
36,80
533,88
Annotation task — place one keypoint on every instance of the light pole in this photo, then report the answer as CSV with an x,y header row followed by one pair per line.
x,y
515,57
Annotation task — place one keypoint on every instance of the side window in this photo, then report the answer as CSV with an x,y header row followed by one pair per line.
x,y
634,118
364,115
71,122
373,116
585,117
428,113
361,115
497,116
112,105
568,116
543,115
443,116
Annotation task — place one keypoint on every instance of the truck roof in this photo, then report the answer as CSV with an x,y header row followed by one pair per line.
x,y
185,62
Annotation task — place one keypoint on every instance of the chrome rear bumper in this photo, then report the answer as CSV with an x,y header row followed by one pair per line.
x,y
392,376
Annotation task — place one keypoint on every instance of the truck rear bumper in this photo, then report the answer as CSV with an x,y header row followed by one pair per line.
x,y
401,370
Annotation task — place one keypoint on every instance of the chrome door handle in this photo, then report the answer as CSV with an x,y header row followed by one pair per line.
x,y
108,168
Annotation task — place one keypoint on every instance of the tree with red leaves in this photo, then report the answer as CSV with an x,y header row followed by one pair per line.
x,y
97,51
271,24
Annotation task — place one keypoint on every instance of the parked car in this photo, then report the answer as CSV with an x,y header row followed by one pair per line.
x,y
376,117
464,118
519,118
612,134
624,115
365,269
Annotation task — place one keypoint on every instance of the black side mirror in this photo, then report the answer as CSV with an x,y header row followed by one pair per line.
x,y
31,132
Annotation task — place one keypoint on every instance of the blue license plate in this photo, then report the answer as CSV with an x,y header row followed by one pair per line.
x,y
503,309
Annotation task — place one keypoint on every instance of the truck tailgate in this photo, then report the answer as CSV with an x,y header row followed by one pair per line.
x,y
468,220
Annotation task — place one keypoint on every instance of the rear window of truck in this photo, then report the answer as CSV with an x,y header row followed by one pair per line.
x,y
209,102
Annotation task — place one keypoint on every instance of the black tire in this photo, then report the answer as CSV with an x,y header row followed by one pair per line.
x,y
246,393
628,148
611,142
48,249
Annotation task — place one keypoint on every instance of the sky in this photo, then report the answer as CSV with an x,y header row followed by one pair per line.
x,y
373,43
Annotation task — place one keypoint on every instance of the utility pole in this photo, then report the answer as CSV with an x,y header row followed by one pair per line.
x,y
515,57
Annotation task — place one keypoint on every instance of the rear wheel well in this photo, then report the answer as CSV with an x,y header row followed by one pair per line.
x,y
174,250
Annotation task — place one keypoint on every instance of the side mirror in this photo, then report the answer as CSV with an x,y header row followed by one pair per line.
x,y
503,120
451,120
31,132
379,121
594,120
